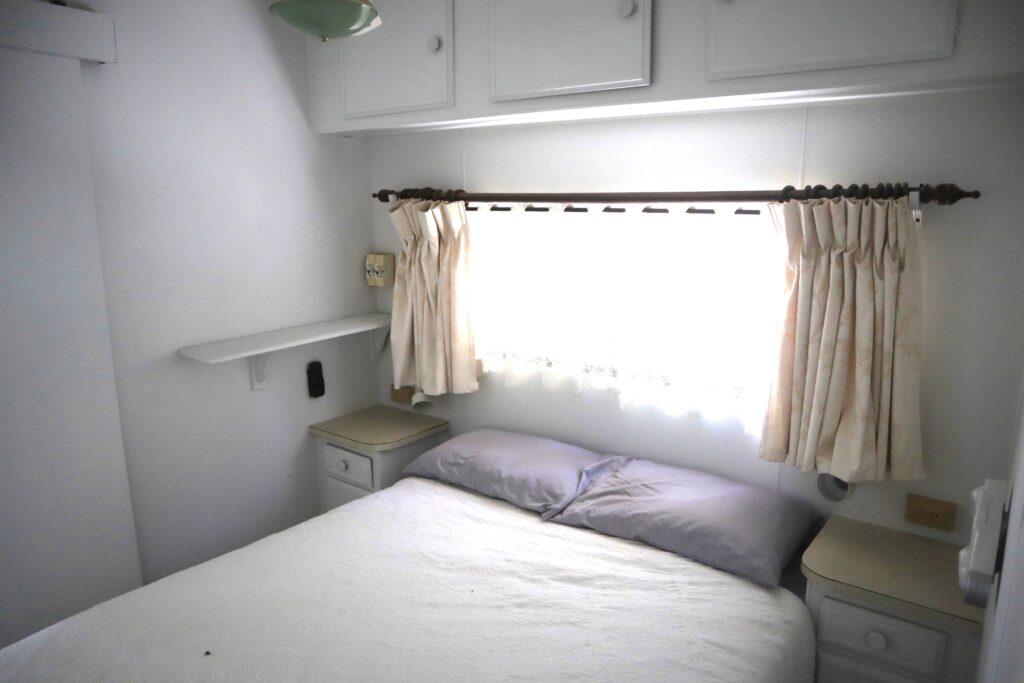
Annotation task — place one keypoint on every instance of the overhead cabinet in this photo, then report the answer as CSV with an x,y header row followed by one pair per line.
x,y
555,47
515,56
761,37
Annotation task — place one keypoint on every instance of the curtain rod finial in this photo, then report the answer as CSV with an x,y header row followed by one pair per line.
x,y
945,194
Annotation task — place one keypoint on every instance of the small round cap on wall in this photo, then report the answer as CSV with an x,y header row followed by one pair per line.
x,y
833,488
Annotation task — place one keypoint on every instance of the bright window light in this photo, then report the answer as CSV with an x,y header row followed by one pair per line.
x,y
675,310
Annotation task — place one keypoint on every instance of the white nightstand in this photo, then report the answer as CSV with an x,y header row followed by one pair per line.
x,y
887,607
366,451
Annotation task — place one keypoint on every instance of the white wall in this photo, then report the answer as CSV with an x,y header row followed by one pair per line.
x,y
220,214
66,535
973,278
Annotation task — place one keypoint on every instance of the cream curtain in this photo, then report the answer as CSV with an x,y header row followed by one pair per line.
x,y
846,399
431,341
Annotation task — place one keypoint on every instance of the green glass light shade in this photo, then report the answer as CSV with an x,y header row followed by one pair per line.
x,y
328,18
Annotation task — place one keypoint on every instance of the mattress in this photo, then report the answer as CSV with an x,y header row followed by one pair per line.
x,y
427,582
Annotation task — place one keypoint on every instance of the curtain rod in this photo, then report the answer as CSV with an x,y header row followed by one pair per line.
x,y
943,194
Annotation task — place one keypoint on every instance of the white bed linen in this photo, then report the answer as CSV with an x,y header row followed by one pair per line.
x,y
426,582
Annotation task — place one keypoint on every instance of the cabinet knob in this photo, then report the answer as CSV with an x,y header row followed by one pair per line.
x,y
344,467
626,8
434,43
877,641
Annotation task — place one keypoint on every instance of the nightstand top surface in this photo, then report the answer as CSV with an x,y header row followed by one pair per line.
x,y
380,428
890,563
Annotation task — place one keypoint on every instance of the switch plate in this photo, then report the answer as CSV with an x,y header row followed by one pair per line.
x,y
380,270
931,512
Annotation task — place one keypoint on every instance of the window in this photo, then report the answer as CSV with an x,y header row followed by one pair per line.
x,y
674,310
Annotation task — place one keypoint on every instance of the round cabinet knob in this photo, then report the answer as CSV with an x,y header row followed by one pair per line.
x,y
626,8
434,43
344,465
877,641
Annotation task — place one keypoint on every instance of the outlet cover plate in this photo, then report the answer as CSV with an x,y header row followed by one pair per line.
x,y
931,512
402,394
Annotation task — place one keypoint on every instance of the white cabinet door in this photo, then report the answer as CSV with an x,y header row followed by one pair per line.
x,y
407,63
553,47
758,37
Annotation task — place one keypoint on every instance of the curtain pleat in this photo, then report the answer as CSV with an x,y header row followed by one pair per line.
x,y
460,349
846,395
432,344
402,346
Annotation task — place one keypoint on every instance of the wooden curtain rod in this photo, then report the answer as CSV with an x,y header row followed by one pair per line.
x,y
943,194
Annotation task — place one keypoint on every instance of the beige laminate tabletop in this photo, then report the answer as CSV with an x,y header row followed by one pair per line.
x,y
380,428
890,563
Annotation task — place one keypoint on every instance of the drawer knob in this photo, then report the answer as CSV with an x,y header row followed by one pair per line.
x,y
434,43
626,8
344,465
877,641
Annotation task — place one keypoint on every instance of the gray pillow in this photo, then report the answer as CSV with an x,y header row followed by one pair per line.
x,y
529,471
742,529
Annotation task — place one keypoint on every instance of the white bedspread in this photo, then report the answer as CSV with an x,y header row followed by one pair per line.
x,y
425,582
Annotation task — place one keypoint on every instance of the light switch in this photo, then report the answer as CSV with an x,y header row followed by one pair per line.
x,y
380,270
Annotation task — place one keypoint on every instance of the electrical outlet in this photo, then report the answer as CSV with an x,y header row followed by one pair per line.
x,y
402,394
931,512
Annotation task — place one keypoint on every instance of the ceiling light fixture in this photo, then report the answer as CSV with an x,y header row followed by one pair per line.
x,y
327,19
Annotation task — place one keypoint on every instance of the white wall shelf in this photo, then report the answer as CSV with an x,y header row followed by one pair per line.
x,y
57,30
257,347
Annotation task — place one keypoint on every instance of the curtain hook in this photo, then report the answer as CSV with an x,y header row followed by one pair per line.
x,y
914,200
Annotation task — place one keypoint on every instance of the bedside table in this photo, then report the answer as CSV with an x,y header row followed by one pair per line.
x,y
887,607
367,450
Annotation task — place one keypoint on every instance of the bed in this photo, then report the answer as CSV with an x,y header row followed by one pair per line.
x,y
425,581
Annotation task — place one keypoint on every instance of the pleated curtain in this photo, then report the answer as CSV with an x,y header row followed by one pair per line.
x,y
845,399
431,341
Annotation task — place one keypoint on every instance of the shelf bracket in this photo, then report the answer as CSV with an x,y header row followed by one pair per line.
x,y
258,371
379,342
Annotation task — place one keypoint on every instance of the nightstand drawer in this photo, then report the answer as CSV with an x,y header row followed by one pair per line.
x,y
337,493
880,637
348,466
833,668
